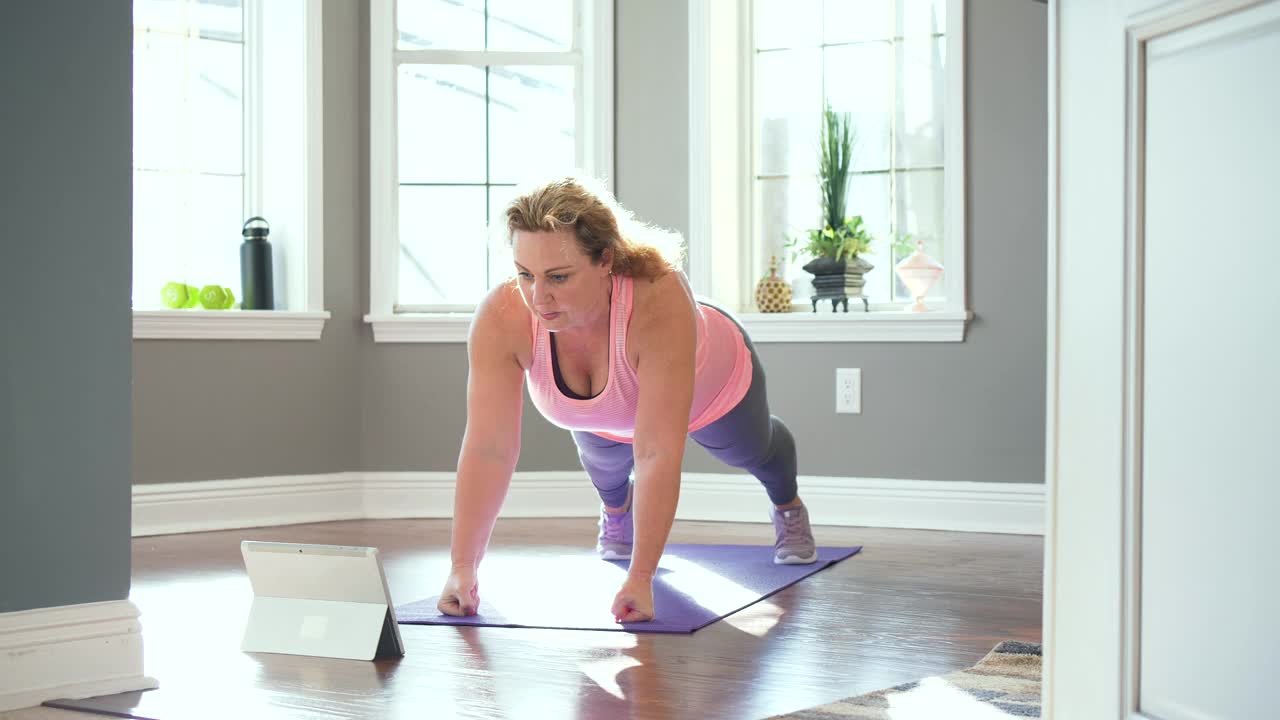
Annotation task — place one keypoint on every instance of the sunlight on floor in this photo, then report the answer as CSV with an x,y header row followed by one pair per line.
x,y
697,581
936,698
605,672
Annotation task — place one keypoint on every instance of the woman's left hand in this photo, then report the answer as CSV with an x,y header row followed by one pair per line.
x,y
634,602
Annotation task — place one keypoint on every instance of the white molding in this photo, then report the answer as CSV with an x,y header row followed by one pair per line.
x,y
597,20
70,652
228,325
719,497
956,174
425,327
167,508
313,175
700,155
481,58
853,326
384,256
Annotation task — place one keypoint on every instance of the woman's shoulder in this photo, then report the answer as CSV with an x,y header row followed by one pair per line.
x,y
503,319
656,300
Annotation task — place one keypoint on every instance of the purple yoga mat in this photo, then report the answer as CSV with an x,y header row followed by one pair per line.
x,y
695,586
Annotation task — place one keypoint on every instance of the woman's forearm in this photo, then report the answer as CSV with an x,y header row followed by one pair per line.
x,y
482,486
653,510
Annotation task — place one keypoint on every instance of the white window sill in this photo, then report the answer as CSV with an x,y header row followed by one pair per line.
x,y
808,326
227,325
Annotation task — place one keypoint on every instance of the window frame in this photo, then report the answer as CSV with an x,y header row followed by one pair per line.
x,y
593,97
262,164
722,223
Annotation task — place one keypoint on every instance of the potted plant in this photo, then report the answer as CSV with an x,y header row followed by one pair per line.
x,y
838,246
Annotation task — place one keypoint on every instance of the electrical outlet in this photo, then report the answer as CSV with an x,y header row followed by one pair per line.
x,y
849,390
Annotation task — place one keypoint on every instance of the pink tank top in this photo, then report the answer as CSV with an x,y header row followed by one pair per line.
x,y
722,374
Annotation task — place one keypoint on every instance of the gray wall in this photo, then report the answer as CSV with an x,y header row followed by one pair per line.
x,y
65,254
217,410
347,403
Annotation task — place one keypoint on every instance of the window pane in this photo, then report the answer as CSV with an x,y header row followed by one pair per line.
x,y
187,101
859,81
501,261
214,19
538,26
920,212
440,24
846,21
869,197
788,23
441,124
186,228
788,207
443,245
789,102
921,102
532,121
921,18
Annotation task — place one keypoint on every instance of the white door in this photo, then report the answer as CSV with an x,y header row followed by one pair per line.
x,y
1162,587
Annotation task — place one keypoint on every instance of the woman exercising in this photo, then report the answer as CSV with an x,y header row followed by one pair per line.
x,y
602,325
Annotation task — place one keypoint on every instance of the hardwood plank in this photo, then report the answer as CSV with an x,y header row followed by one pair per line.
x,y
913,603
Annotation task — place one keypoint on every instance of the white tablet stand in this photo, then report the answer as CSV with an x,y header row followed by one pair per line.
x,y
320,600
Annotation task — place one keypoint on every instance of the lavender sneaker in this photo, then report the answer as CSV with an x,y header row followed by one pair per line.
x,y
616,533
794,545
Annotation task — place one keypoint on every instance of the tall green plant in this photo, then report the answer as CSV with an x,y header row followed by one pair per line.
x,y
835,140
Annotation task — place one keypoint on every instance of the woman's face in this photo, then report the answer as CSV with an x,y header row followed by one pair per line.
x,y
558,281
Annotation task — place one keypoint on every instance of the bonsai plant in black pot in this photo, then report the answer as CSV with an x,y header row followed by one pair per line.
x,y
837,248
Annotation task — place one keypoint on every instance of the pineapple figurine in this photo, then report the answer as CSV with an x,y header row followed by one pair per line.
x,y
773,294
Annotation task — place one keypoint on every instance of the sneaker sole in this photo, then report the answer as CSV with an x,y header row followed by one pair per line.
x,y
796,560
611,555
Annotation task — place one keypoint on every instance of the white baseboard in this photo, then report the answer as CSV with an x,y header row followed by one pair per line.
x,y
168,508
861,502
72,652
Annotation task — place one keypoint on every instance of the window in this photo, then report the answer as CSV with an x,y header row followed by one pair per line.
x,y
217,112
895,68
884,65
469,99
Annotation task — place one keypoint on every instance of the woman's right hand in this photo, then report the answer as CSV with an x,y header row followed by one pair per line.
x,y
461,594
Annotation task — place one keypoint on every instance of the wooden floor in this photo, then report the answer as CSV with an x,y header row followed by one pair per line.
x,y
912,604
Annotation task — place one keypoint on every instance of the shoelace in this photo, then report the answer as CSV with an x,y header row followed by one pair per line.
x,y
613,527
792,527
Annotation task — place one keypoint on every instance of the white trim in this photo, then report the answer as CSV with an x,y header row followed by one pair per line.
x,y
162,509
853,326
70,652
384,260
484,57
955,173
313,175
227,325
597,105
700,155
718,497
1053,331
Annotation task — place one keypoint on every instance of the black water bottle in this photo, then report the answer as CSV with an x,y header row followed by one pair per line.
x,y
255,266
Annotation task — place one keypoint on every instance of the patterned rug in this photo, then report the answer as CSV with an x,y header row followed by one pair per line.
x,y
1003,685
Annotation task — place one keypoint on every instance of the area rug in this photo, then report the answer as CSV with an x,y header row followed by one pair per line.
x,y
695,586
1004,685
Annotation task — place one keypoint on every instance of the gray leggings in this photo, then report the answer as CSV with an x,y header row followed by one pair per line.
x,y
748,437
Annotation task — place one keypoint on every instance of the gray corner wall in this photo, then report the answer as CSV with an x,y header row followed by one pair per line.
x,y
347,403
65,263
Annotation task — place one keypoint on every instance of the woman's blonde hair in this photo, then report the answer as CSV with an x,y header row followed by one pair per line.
x,y
599,223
